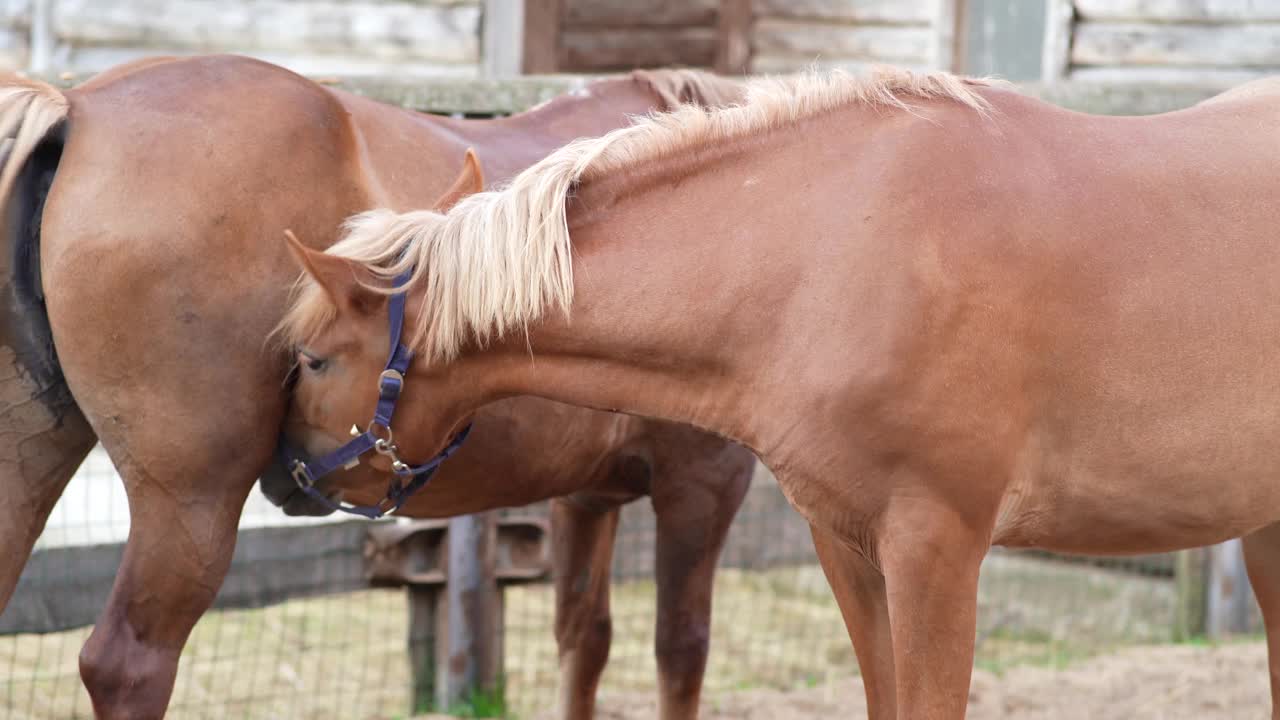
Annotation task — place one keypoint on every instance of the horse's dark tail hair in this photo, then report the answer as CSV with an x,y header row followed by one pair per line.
x,y
33,123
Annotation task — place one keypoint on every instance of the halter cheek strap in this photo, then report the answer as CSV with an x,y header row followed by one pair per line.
x,y
377,436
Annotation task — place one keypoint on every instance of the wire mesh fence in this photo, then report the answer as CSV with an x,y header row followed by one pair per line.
x,y
775,622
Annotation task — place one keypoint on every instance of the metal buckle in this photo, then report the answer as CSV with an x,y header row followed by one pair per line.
x,y
300,475
386,506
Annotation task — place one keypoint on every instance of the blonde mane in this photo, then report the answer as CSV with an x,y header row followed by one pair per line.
x,y
501,259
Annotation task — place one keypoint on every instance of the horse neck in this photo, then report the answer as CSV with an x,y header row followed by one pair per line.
x,y
669,318
524,138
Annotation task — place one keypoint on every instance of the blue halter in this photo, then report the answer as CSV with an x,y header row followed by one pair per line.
x,y
377,437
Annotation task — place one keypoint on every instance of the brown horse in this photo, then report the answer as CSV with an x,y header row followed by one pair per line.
x,y
946,315
142,212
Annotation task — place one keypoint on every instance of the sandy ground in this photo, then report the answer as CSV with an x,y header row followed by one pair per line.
x,y
1149,683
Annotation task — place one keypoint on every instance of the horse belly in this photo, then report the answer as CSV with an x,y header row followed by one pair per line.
x,y
1156,505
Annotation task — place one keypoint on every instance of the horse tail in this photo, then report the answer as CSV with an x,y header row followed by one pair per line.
x,y
29,110
32,132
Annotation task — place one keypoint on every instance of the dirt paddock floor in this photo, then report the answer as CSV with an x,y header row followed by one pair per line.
x,y
1145,683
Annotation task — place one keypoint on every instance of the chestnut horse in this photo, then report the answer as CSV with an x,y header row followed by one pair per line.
x,y
142,212
946,315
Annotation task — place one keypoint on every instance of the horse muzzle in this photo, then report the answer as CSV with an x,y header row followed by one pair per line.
x,y
280,487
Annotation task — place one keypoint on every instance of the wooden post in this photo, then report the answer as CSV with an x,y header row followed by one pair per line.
x,y
946,34
542,20
733,37
1227,591
1189,568
424,629
503,38
472,600
455,571
1059,24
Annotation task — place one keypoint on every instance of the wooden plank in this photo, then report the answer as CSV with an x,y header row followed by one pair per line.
x,y
1146,77
628,13
1185,45
617,50
896,12
66,587
87,60
542,24
733,37
1173,11
1059,25
385,30
827,42
1118,99
503,42
946,33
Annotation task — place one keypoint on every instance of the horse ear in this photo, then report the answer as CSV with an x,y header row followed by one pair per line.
x,y
340,278
470,181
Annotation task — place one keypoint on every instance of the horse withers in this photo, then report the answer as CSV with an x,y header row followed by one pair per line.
x,y
945,315
143,209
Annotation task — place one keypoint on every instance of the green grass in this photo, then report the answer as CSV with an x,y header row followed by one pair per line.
x,y
482,704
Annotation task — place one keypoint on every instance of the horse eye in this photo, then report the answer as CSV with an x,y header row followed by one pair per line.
x,y
311,362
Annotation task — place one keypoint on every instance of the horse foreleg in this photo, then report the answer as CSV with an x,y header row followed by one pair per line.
x,y
182,534
1262,559
40,449
930,557
695,505
860,593
582,539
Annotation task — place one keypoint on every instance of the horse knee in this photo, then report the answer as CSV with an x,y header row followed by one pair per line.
x,y
589,637
681,652
124,678
597,637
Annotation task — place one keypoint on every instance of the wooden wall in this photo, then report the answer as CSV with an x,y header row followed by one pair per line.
x,y
781,36
1219,42
790,35
606,35
317,37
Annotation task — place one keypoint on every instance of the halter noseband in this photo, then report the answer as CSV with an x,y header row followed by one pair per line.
x,y
377,437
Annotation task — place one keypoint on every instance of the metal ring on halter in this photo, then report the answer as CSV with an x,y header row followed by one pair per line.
x,y
379,438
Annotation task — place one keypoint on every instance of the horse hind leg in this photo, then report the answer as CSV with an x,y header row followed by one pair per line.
x,y
583,538
1262,560
43,440
181,539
